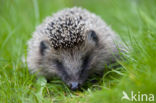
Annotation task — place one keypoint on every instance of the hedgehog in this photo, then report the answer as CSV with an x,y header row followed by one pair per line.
x,y
72,44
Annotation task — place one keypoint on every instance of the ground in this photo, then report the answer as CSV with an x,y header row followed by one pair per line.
x,y
133,20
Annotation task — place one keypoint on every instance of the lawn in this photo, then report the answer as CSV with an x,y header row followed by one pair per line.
x,y
133,20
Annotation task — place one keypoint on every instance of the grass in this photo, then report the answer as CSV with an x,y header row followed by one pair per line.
x,y
133,20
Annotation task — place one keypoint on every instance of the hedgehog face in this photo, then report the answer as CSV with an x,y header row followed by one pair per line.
x,y
72,65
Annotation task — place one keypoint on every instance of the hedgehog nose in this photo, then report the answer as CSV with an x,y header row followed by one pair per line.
x,y
74,85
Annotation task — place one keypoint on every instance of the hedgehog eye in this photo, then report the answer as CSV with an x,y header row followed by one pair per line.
x,y
85,63
92,36
43,47
61,69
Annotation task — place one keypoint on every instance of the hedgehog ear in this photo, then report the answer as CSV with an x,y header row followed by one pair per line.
x,y
92,36
43,46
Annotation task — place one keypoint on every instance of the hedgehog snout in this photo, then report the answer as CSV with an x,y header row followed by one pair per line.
x,y
74,85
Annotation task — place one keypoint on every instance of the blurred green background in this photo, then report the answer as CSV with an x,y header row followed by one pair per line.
x,y
133,20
